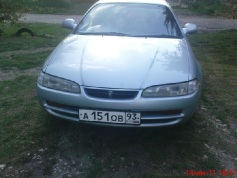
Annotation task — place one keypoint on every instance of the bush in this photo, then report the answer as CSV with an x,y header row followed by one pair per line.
x,y
10,11
232,5
227,8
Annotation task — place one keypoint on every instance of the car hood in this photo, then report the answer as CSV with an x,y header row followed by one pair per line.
x,y
120,62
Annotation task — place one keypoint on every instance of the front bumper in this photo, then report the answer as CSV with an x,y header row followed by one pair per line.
x,y
155,112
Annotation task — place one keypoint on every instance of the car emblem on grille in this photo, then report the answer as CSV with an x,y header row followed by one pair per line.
x,y
110,94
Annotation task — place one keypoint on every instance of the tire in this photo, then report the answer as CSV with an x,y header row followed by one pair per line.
x,y
24,30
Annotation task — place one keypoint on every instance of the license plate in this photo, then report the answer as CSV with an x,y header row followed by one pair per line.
x,y
109,116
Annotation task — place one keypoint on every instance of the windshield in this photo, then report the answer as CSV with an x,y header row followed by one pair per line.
x,y
130,19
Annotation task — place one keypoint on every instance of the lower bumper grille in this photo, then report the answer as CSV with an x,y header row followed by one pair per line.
x,y
147,117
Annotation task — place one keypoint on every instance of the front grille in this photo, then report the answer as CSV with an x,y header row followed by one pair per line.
x,y
111,94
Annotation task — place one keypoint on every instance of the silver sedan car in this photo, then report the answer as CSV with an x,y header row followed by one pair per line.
x,y
127,63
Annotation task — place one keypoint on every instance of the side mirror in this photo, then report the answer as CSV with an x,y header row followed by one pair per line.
x,y
69,23
190,28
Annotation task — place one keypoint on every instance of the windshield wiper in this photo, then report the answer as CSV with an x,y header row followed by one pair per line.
x,y
159,36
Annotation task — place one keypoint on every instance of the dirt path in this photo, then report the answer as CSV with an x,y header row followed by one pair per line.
x,y
47,18
208,23
203,22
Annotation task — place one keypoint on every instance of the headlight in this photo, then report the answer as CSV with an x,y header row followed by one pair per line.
x,y
58,83
178,89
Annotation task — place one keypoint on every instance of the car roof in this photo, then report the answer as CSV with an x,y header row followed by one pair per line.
x,y
160,2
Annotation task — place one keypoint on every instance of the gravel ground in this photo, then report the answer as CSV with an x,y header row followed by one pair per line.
x,y
203,22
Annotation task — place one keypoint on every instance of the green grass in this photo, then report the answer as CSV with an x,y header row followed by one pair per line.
x,y
23,61
22,122
17,123
218,59
25,127
46,36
